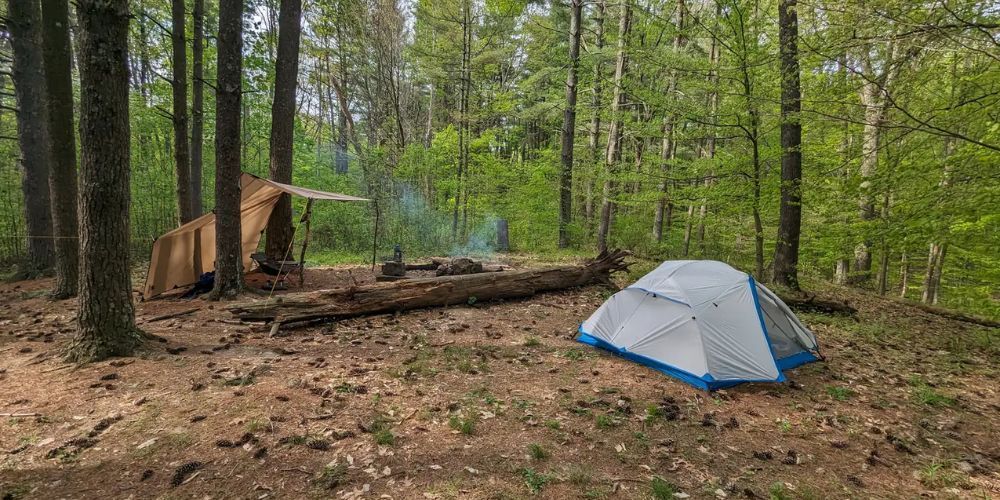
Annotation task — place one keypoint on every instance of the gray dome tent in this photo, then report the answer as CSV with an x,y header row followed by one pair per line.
x,y
704,323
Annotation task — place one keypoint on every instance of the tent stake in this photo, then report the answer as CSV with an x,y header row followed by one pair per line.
x,y
307,217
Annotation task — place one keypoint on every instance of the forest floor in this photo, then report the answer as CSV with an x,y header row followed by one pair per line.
x,y
487,401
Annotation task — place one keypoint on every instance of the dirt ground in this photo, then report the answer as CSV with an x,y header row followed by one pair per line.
x,y
486,401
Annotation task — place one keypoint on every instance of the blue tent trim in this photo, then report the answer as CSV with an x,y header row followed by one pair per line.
x,y
798,359
767,339
703,382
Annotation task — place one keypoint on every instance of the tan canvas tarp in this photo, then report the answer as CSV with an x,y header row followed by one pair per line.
x,y
180,256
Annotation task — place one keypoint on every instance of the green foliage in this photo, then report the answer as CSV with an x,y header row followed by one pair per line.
x,y
839,393
534,480
660,489
536,452
410,134
465,425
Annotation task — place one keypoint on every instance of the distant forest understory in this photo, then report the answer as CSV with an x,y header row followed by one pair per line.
x,y
672,129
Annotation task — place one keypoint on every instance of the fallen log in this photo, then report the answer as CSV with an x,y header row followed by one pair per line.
x,y
955,315
322,306
811,303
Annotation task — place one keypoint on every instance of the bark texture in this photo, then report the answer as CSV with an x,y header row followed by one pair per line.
x,y
615,132
62,171
182,158
24,24
786,253
594,142
668,149
106,317
569,125
279,228
310,308
228,96
197,106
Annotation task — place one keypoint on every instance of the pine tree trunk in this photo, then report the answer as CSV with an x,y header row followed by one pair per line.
x,y
569,126
197,107
786,255
667,147
595,121
24,24
615,132
182,159
228,99
58,55
286,70
106,317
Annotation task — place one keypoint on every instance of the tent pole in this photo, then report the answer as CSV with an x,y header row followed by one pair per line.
x,y
375,235
305,242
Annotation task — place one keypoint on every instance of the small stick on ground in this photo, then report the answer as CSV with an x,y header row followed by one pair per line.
x,y
164,317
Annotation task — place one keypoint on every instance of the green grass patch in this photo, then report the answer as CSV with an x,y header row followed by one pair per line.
x,y
465,425
534,480
661,489
839,393
537,452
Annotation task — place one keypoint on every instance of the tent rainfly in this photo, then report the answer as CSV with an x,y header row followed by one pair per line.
x,y
704,323
180,256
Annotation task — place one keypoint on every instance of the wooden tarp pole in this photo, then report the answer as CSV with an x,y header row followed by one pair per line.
x,y
375,235
307,218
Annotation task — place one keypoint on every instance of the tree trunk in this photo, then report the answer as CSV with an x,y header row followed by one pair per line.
x,y
57,55
228,99
24,25
106,317
328,305
883,271
615,132
182,159
786,254
869,165
595,121
286,70
687,230
569,126
463,113
932,256
197,107
668,148
904,275
938,270
713,111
